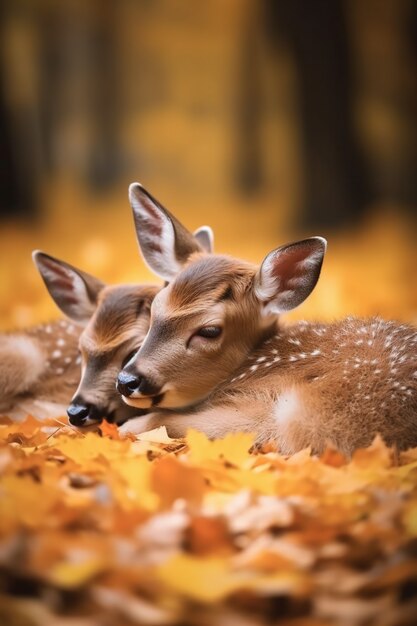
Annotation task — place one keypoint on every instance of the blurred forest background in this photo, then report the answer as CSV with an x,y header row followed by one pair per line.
x,y
267,119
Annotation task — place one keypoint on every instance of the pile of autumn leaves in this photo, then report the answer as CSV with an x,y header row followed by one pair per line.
x,y
99,531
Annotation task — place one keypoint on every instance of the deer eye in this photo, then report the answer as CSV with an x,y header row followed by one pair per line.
x,y
209,332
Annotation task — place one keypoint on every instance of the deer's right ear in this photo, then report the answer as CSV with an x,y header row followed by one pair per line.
x,y
289,274
164,242
73,291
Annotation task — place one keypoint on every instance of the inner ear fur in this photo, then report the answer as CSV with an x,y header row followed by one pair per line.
x,y
289,274
74,291
164,242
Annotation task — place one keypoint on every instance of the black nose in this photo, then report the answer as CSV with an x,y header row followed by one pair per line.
x,y
79,413
127,383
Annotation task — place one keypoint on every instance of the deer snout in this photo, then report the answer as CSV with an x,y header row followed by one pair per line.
x,y
82,414
136,384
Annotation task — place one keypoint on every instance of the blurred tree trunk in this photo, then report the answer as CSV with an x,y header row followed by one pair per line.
x,y
336,187
19,128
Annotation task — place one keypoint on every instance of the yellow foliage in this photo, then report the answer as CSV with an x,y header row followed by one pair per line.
x,y
155,530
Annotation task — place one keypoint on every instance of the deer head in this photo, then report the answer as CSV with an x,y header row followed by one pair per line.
x,y
213,312
114,320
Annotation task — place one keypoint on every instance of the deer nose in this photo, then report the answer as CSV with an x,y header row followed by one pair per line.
x,y
79,413
127,383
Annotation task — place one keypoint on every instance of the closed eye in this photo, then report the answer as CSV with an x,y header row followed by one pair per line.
x,y
209,332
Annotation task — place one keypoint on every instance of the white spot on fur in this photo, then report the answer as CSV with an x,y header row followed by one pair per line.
x,y
56,354
315,353
67,360
78,360
253,368
59,371
288,407
60,342
261,359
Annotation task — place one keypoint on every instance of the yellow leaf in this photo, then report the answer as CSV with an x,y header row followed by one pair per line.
x,y
234,448
205,580
135,488
69,575
24,502
157,435
84,450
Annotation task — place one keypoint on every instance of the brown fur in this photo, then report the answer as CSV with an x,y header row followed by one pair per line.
x,y
38,375
40,368
339,383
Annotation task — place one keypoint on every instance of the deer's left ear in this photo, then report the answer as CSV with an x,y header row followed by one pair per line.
x,y
164,242
205,238
73,291
289,274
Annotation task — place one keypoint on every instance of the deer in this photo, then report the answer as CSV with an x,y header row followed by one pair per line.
x,y
75,361
218,357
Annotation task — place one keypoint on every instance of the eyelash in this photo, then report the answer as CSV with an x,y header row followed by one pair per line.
x,y
210,332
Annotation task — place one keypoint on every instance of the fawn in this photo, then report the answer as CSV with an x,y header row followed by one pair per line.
x,y
217,358
41,367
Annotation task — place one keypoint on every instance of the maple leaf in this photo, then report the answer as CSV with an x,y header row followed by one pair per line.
x,y
27,432
234,448
109,430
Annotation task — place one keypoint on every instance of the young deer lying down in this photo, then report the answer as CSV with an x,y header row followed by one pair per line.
x,y
217,359
112,321
40,367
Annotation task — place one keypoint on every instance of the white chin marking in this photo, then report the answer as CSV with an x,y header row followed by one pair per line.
x,y
140,403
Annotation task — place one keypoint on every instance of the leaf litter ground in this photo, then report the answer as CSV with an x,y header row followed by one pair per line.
x,y
100,531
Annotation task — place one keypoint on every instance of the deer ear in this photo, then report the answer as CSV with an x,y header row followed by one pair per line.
x,y
73,291
289,274
205,238
164,242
